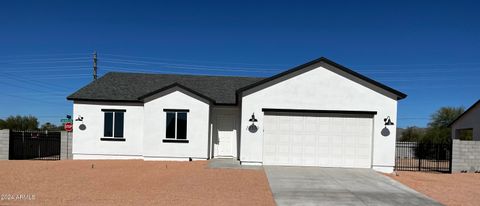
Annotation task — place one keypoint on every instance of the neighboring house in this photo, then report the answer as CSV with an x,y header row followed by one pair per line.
x,y
467,125
317,114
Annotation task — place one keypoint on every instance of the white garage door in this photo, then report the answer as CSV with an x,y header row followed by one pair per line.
x,y
326,140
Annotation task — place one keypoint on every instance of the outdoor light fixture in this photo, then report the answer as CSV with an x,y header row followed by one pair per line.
x,y
253,128
387,121
253,120
79,118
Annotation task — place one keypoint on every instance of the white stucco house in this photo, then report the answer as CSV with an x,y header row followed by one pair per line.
x,y
317,114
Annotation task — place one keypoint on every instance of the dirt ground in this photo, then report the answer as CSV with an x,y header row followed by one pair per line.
x,y
448,189
129,182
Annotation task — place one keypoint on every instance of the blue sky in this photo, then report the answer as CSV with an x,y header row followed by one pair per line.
x,y
427,49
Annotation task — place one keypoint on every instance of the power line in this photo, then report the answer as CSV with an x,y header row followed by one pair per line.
x,y
437,87
426,79
390,71
78,76
214,62
168,72
43,67
59,69
223,68
43,55
22,86
43,59
54,62
42,94
32,82
29,99
233,69
219,62
34,77
144,63
365,65
413,65
77,68
191,68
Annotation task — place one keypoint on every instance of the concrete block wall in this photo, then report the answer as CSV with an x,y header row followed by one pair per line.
x,y
66,146
4,143
465,156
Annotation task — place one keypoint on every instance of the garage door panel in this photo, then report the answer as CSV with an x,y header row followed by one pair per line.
x,y
336,140
323,140
348,160
300,124
311,124
297,150
317,140
309,140
349,151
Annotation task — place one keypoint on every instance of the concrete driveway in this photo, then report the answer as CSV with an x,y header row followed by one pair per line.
x,y
334,186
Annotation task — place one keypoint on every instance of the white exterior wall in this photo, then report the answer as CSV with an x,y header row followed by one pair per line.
x,y
319,89
87,143
155,126
469,120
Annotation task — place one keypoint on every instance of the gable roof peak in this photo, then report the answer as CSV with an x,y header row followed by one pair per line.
x,y
465,112
397,93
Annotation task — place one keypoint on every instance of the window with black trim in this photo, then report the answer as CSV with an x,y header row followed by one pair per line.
x,y
176,125
113,123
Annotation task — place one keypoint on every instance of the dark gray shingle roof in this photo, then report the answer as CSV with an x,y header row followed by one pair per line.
x,y
119,86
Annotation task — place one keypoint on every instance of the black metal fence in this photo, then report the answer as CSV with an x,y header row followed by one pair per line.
x,y
416,156
36,145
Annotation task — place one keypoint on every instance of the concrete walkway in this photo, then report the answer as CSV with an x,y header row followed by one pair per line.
x,y
333,186
230,163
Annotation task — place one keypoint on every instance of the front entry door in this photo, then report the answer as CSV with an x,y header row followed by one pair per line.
x,y
226,136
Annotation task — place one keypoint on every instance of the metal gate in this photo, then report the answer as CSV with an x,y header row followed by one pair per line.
x,y
416,156
36,145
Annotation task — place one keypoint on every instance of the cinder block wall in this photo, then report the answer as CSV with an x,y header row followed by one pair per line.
x,y
66,146
4,143
465,156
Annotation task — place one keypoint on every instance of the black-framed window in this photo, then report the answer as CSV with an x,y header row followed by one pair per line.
x,y
176,124
113,123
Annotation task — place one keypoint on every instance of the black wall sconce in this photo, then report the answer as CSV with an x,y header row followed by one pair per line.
x,y
253,128
388,122
253,119
79,119
82,126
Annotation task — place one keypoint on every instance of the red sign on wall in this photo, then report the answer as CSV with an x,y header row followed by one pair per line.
x,y
68,126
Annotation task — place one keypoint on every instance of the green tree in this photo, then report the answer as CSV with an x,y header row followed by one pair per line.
x,y
21,123
444,116
438,130
49,126
3,124
437,135
412,134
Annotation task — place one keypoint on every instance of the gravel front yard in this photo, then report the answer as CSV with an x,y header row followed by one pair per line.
x,y
448,189
129,182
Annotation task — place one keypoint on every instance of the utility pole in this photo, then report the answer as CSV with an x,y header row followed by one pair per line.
x,y
95,65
